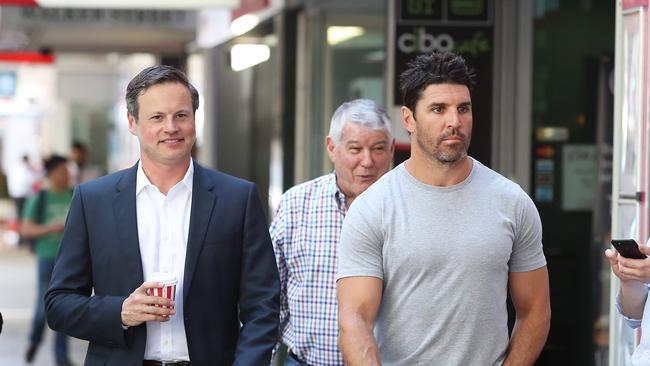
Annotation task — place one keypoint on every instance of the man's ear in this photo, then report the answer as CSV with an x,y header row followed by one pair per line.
x,y
132,124
329,143
408,119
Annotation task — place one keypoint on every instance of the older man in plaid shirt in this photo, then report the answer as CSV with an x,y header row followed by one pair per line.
x,y
306,227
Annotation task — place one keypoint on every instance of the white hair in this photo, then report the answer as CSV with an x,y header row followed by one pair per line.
x,y
364,112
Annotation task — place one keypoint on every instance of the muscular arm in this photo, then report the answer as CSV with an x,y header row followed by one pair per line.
x,y
530,296
359,299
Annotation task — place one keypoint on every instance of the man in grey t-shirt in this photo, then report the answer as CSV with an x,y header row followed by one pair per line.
x,y
428,253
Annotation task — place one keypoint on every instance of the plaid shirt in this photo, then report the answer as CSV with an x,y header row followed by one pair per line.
x,y
305,233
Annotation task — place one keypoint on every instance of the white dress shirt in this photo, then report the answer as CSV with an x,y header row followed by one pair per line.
x,y
163,227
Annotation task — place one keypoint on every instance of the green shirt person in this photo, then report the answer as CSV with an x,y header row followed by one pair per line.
x,y
43,222
53,209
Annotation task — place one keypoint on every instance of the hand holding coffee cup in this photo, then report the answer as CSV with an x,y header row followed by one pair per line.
x,y
167,288
141,307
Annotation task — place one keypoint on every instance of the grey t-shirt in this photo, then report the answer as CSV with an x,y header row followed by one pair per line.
x,y
444,254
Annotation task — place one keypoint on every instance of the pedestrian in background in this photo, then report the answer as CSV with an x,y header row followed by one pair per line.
x,y
20,180
307,225
43,222
80,170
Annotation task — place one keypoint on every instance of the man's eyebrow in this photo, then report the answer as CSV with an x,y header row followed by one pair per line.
x,y
186,110
437,104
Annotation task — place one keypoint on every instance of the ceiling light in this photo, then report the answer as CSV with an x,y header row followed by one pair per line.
x,y
243,24
338,34
243,56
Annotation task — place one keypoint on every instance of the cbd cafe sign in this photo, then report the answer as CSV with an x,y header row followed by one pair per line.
x,y
421,41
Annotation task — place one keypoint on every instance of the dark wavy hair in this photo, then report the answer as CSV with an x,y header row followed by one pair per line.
x,y
433,68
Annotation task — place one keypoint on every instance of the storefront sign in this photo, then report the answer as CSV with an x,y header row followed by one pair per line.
x,y
544,180
18,3
448,11
463,27
627,4
249,6
578,177
27,56
36,18
460,26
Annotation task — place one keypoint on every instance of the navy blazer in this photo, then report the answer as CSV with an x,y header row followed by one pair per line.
x,y
231,287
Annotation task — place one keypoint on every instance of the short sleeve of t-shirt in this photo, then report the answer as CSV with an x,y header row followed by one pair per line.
x,y
361,242
527,252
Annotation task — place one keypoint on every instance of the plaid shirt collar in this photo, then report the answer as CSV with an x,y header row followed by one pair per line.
x,y
334,190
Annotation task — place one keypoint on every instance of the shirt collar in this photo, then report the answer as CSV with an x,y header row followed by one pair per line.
x,y
334,190
142,181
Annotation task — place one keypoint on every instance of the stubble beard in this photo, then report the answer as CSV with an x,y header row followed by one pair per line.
x,y
441,155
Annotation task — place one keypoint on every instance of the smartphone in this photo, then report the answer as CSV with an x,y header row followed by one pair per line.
x,y
628,248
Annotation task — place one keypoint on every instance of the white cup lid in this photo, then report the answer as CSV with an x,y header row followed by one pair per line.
x,y
164,277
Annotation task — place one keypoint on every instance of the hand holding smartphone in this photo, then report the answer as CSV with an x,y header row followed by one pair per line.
x,y
628,248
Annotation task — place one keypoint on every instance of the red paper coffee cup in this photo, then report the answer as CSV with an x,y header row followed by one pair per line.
x,y
168,289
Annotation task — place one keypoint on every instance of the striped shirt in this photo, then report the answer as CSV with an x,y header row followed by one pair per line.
x,y
305,233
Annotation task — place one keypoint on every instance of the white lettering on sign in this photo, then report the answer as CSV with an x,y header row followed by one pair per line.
x,y
36,18
421,41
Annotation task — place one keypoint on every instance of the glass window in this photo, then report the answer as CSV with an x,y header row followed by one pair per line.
x,y
348,65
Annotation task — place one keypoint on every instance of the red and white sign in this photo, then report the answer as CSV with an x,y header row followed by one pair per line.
x,y
249,6
19,2
124,4
627,4
31,57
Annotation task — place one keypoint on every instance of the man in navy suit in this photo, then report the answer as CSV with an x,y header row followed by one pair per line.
x,y
166,214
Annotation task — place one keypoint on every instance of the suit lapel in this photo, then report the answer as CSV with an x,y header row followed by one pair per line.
x,y
203,201
126,219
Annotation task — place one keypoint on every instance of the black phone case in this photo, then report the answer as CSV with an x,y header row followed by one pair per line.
x,y
628,248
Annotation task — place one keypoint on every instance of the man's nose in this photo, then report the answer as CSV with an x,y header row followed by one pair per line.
x,y
454,120
366,158
170,125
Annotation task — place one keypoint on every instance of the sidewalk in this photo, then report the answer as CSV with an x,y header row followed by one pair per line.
x,y
17,299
